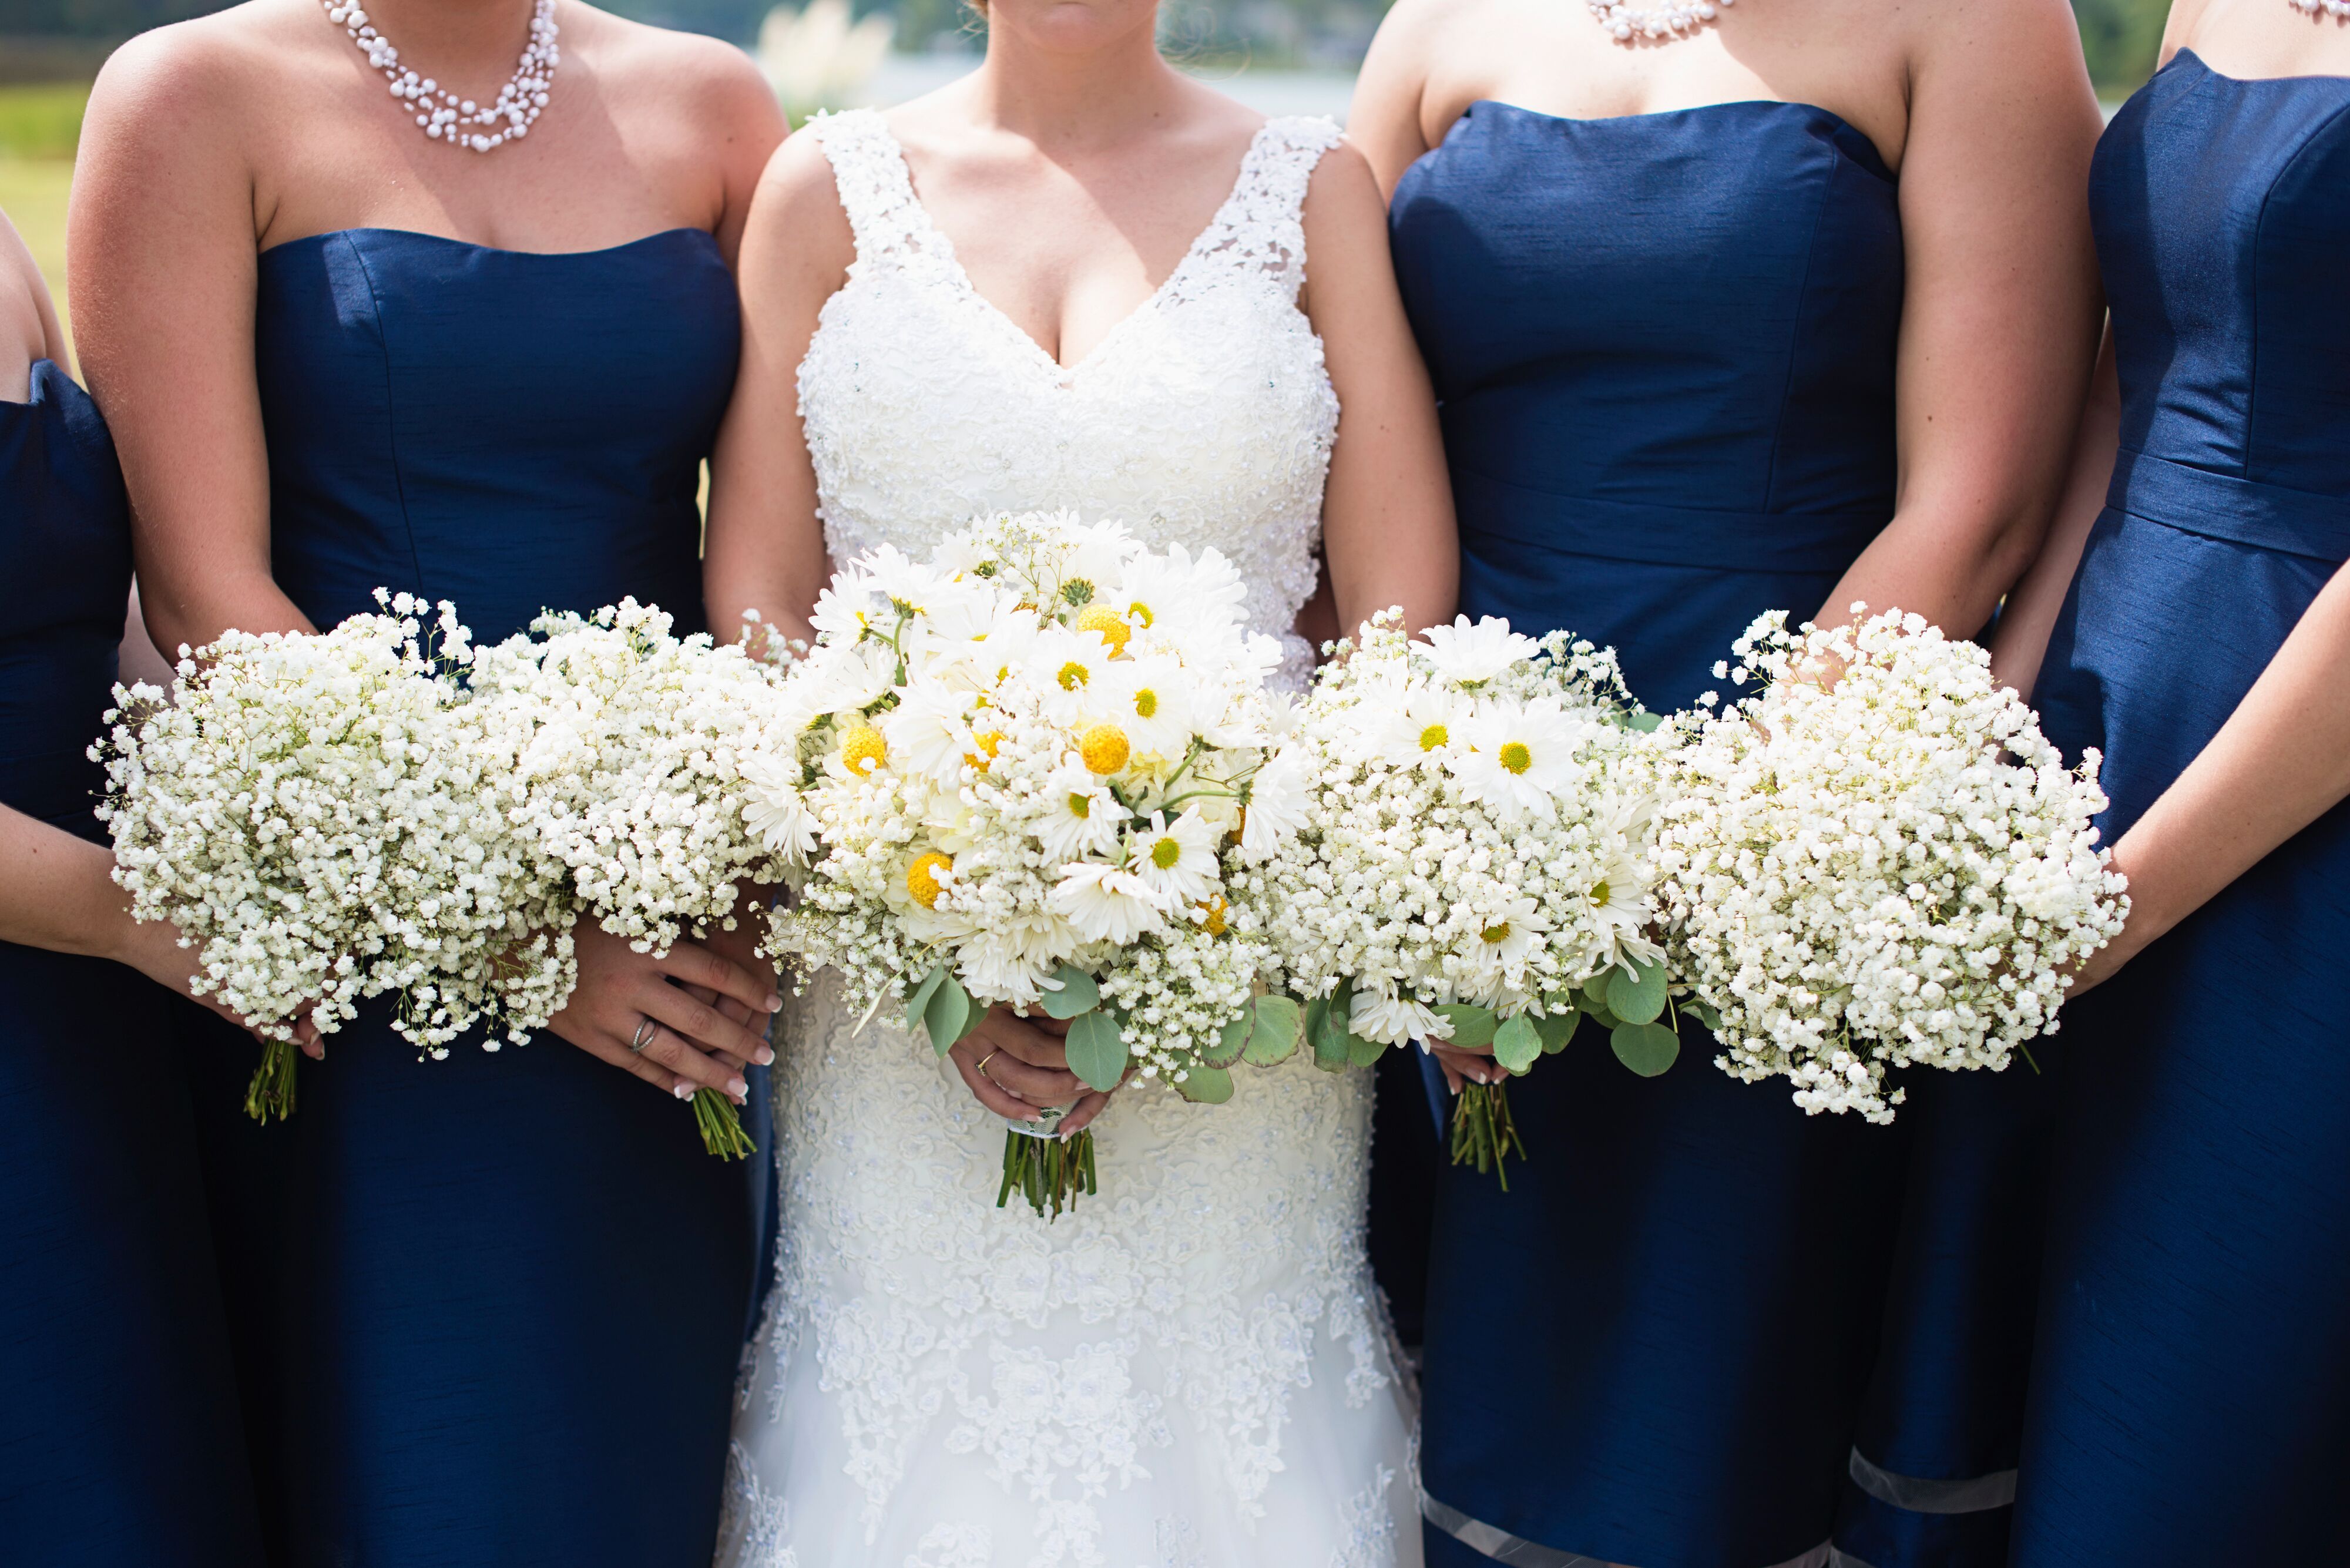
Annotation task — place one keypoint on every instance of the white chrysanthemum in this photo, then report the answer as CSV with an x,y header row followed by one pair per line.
x,y
1080,819
1395,1020
1417,722
931,730
775,811
1107,903
1279,804
1517,757
845,680
1147,698
1175,860
1474,654
1182,599
1067,670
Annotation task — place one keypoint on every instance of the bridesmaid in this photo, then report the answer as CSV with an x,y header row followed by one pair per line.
x,y
489,1307
119,1445
1791,308
2190,1388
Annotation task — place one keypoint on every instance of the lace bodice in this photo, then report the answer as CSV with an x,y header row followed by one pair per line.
x,y
1205,416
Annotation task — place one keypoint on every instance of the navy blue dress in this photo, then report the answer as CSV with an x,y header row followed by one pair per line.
x,y
496,1300
120,1442
2191,1398
1665,348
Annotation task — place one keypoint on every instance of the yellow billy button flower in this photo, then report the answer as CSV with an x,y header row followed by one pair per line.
x,y
1112,627
862,749
1216,909
922,878
1104,749
989,741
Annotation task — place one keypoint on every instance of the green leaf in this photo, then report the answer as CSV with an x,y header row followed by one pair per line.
x,y
1647,1048
949,1015
1274,1036
1097,1050
1702,1011
1362,1052
1645,721
917,1004
1472,1027
1636,995
1206,1086
1517,1043
1327,1030
1078,993
1231,1041
1595,992
1558,1028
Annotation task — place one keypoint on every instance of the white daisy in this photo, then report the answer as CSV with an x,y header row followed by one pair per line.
x,y
1278,804
1106,904
773,807
1081,820
1395,1020
1474,654
930,731
1195,602
1518,757
1417,724
1149,698
1177,861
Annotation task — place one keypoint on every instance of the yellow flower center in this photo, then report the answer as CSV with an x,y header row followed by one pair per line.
x,y
1165,853
862,749
1497,934
1141,612
1073,675
1216,908
922,878
1433,736
1080,806
989,739
1104,748
1112,627
1601,893
1145,703
1516,756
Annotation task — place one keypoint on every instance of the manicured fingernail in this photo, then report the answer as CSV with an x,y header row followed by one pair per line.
x,y
774,1004
765,1057
683,1091
737,1087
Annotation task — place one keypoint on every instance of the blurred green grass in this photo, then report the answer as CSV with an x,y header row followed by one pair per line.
x,y
38,128
42,120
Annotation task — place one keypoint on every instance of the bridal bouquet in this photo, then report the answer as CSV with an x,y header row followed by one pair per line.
x,y
1896,869
316,813
1477,859
620,751
1032,771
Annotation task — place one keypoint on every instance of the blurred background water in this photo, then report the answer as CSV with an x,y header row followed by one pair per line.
x,y
1282,57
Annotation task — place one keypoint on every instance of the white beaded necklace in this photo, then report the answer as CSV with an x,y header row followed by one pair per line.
x,y
1673,19
2334,8
519,103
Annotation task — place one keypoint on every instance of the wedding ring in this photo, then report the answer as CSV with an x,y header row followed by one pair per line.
x,y
642,1037
983,1061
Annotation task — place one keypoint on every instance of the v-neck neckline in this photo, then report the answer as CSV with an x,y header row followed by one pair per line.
x,y
928,229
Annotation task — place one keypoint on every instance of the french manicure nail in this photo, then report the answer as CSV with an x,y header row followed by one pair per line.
x,y
774,1004
737,1087
683,1091
765,1057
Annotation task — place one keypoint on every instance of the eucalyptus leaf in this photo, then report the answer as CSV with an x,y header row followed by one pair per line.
x,y
1332,1041
1097,1050
1274,1036
1636,995
948,1015
1557,1029
1595,992
917,1004
1078,993
1647,1048
1517,1043
1231,1041
1702,1011
1473,1026
1362,1052
1206,1086
1645,721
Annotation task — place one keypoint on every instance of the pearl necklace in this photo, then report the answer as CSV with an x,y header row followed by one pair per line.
x,y
2337,9
1673,19
520,102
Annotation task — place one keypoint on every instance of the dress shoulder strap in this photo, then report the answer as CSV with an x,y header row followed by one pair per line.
x,y
1261,227
877,191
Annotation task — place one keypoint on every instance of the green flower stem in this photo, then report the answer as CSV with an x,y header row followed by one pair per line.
x,y
270,1098
722,1126
1051,1173
1483,1133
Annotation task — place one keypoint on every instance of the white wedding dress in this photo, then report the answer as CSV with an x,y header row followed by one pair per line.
x,y
1190,1369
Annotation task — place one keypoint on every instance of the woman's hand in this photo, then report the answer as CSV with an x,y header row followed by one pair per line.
x,y
1016,1066
633,1010
1467,1067
154,948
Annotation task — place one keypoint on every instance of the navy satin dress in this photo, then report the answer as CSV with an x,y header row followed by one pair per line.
x,y
120,1443
2190,1399
1665,348
494,1303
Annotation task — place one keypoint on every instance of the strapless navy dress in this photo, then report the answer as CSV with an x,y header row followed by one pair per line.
x,y
496,1302
2190,1395
119,1441
1665,348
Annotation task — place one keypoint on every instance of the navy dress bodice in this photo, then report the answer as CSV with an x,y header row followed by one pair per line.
x,y
504,1291
1664,347
2191,1398
120,1442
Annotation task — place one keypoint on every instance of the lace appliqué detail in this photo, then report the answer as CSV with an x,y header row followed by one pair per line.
x,y
1206,416
753,1521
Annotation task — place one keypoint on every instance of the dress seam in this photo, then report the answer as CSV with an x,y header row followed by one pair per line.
x,y
390,421
1795,331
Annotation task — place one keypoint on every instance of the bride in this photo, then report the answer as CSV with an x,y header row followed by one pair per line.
x,y
1074,279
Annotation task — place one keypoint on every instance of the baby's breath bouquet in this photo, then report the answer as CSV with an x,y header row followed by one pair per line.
x,y
1896,868
316,814
621,749
1030,771
1477,861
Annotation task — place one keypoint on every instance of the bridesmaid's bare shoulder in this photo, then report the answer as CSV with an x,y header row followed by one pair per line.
x,y
28,327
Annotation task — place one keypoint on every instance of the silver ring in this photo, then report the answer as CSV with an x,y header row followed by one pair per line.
x,y
643,1036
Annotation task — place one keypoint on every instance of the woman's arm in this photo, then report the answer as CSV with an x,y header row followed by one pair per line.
x,y
163,245
764,549
1386,515
2032,609
1999,319
28,321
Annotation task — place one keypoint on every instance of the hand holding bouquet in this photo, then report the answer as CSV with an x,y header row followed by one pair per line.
x,y
1030,772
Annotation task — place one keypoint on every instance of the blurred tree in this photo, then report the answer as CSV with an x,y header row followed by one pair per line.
x,y
2121,38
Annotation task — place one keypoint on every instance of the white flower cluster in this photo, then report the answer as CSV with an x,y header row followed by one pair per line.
x,y
316,815
1894,868
1478,843
1035,764
618,752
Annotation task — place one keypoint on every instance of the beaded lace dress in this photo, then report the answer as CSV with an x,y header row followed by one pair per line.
x,y
1190,1369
